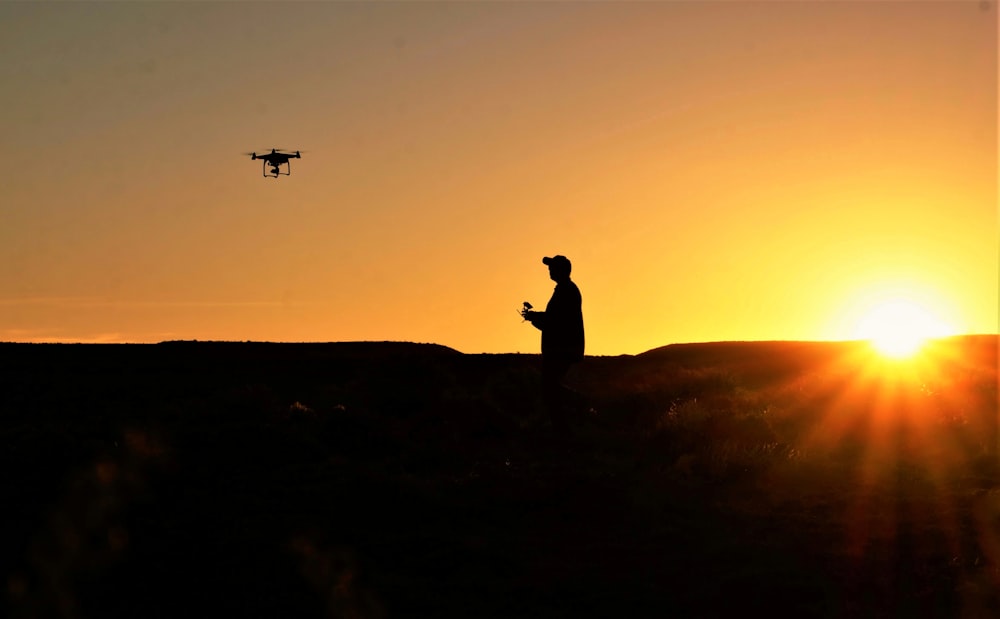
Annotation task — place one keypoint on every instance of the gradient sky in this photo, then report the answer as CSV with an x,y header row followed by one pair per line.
x,y
714,170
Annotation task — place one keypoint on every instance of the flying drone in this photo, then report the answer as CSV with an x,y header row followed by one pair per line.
x,y
275,159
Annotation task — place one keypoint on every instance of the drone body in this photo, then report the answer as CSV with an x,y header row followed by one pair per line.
x,y
275,160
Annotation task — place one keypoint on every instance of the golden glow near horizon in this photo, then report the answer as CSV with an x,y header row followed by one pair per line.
x,y
899,317
899,328
715,170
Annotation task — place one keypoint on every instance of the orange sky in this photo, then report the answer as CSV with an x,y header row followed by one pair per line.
x,y
714,170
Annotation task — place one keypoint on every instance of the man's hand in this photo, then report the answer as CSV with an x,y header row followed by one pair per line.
x,y
537,319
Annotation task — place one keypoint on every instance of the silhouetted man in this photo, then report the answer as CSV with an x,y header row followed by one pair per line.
x,y
561,325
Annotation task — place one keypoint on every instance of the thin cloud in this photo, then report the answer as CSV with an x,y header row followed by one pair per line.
x,y
50,301
37,336
89,302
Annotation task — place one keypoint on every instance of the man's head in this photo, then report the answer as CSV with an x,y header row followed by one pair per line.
x,y
559,267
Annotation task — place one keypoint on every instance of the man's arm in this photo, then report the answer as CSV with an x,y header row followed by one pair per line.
x,y
537,319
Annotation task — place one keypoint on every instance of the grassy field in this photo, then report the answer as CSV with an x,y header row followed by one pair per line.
x,y
400,480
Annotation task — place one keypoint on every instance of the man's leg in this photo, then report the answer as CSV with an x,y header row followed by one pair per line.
x,y
553,372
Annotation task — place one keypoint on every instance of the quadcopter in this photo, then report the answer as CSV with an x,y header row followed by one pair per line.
x,y
275,160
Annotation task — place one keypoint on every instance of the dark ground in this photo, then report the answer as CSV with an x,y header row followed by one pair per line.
x,y
399,480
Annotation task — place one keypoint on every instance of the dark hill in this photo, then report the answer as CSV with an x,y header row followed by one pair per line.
x,y
767,361
388,479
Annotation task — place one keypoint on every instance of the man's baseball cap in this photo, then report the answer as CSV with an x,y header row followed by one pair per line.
x,y
557,261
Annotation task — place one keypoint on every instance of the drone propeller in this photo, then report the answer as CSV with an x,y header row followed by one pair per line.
x,y
274,151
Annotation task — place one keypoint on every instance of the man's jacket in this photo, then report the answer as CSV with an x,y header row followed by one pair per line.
x,y
562,323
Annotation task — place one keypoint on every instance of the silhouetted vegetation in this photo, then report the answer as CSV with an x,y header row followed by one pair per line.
x,y
393,479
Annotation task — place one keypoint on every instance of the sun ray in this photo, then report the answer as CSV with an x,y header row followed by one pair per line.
x,y
900,431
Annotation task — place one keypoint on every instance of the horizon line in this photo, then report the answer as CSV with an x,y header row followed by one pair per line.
x,y
106,342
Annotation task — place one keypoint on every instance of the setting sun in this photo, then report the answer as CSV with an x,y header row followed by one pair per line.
x,y
899,328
